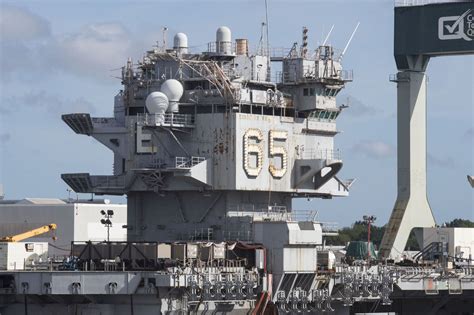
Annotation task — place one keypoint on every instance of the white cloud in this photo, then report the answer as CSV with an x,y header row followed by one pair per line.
x,y
95,49
20,24
374,149
44,102
30,51
24,44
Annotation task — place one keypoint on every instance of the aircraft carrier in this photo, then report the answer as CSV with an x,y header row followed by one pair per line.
x,y
210,149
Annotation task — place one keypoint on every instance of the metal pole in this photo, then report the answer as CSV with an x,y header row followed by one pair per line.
x,y
368,241
26,305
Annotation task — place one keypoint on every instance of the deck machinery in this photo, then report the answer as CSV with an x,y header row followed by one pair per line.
x,y
210,152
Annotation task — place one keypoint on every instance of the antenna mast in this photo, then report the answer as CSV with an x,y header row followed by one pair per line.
x,y
267,43
349,41
165,34
327,36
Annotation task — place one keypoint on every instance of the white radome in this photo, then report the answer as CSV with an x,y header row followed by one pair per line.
x,y
156,103
180,41
173,90
223,34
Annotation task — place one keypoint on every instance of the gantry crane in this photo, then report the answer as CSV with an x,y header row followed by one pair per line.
x,y
32,233
423,30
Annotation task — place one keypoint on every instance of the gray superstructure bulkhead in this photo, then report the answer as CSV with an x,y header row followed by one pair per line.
x,y
198,137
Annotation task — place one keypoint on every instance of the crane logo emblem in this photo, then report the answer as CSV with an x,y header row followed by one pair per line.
x,y
457,27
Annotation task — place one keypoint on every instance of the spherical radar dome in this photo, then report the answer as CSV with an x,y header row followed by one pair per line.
x,y
156,103
223,34
173,89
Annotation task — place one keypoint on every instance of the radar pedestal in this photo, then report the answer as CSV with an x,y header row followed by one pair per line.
x,y
412,209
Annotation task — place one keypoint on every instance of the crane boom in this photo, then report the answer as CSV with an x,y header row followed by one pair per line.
x,y
35,232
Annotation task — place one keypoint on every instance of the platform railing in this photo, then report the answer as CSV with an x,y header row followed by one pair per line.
x,y
167,120
188,162
324,154
273,213
310,73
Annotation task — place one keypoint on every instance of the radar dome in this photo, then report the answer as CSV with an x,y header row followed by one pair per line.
x,y
173,89
156,103
180,41
223,34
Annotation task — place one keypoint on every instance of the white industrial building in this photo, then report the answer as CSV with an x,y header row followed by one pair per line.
x,y
77,220
460,240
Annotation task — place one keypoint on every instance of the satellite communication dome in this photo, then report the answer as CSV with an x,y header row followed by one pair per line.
x,y
173,89
180,41
223,34
156,103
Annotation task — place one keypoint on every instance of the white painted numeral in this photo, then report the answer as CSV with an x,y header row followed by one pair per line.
x,y
253,149
253,143
278,151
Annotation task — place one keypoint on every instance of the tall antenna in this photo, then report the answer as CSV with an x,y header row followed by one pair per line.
x,y
262,43
348,42
268,42
327,36
165,31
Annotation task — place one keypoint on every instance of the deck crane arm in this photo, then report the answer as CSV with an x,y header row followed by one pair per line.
x,y
32,233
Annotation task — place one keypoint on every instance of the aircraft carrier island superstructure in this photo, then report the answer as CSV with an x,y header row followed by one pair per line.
x,y
210,149
199,138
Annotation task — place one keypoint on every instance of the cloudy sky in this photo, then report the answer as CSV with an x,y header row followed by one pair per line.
x,y
62,56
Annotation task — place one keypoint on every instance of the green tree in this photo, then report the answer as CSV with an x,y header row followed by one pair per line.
x,y
460,223
358,232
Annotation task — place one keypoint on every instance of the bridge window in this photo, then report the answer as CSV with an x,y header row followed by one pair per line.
x,y
309,92
326,115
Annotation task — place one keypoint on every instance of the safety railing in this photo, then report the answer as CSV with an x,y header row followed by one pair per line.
x,y
188,162
243,235
221,47
105,181
166,120
323,154
272,213
279,52
346,75
310,73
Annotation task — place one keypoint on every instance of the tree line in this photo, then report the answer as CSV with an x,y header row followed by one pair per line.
x,y
358,232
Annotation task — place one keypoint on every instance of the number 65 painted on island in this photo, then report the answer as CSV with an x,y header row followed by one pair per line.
x,y
256,149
